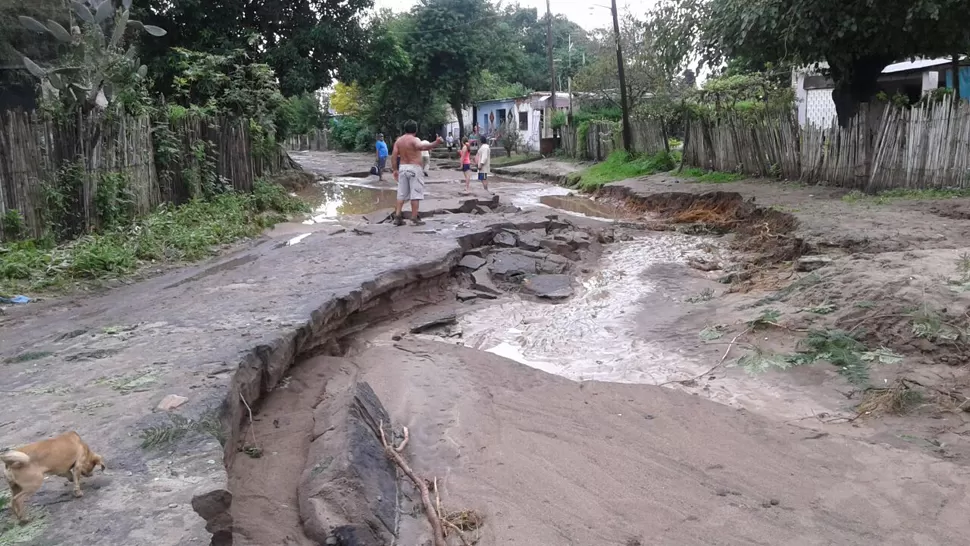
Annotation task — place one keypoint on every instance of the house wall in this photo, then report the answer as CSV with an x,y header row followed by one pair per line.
x,y
813,94
964,81
452,125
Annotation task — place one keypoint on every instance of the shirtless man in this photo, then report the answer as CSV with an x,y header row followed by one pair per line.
x,y
408,170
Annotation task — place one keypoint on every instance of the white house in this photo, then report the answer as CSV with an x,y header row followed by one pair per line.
x,y
528,113
813,91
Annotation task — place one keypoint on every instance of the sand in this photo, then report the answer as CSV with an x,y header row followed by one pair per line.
x,y
549,461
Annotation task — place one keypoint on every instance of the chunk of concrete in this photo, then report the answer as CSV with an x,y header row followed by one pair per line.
x,y
511,266
554,287
434,322
481,282
472,262
529,240
348,491
505,238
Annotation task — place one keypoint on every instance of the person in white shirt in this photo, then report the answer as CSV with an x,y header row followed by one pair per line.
x,y
425,158
484,160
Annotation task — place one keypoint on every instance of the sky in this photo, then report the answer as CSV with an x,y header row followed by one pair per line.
x,y
577,11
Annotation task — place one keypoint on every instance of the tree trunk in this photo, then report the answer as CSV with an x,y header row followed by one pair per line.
x,y
855,83
461,121
955,69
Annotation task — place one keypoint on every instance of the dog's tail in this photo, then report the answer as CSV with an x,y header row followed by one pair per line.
x,y
15,459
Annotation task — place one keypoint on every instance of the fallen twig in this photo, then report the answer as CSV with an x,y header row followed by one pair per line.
x,y
252,426
716,366
394,453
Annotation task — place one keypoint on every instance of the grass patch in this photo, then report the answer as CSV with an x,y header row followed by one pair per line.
x,y
620,165
187,233
710,177
903,194
179,426
510,160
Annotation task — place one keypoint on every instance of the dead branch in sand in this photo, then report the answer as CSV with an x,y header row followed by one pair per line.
x,y
394,453
716,366
253,451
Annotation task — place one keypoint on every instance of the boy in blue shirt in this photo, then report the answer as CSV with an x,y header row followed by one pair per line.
x,y
381,156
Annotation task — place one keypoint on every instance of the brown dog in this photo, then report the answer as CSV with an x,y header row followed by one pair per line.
x,y
65,455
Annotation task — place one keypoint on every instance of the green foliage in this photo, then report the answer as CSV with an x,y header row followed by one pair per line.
x,y
299,115
61,195
165,434
490,86
710,177
12,224
346,134
451,61
305,42
226,85
94,65
558,119
620,165
170,234
114,201
843,349
509,136
856,39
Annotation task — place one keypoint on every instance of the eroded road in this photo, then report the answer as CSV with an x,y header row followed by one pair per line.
x,y
520,347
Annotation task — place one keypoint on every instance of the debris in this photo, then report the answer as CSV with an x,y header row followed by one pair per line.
x,y
549,286
703,265
441,320
171,402
811,263
17,300
465,295
471,262
505,238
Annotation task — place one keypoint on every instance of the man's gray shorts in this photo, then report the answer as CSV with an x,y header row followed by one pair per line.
x,y
410,183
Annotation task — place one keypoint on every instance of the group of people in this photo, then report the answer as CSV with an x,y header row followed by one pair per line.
x,y
410,158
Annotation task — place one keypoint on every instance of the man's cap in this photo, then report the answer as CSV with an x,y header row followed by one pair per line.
x,y
380,135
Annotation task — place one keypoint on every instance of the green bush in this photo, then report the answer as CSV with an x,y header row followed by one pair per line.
x,y
170,234
621,165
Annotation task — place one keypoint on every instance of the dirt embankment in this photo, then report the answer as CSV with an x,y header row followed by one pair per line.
x,y
880,290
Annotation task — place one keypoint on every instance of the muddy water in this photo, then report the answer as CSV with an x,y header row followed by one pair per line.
x,y
596,334
584,206
591,336
343,197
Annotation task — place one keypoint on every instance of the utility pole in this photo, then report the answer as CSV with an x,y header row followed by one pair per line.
x,y
624,106
552,66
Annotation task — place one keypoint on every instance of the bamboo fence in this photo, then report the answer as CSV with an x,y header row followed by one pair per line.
x,y
34,150
925,146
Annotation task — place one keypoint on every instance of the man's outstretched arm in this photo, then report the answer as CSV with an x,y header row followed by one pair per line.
x,y
431,145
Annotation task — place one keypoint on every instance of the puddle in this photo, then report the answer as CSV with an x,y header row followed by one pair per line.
x,y
584,206
594,336
342,197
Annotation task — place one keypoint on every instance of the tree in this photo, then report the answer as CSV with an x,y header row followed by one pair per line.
x,y
509,136
856,38
391,87
305,41
345,99
450,46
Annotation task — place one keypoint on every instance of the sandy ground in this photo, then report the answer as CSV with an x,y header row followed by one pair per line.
x,y
551,461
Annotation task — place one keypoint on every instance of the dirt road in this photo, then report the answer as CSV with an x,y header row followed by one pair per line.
x,y
571,444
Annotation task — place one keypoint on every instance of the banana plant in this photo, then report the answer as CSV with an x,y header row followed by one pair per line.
x,y
95,42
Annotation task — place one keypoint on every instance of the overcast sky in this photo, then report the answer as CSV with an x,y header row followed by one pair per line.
x,y
577,11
